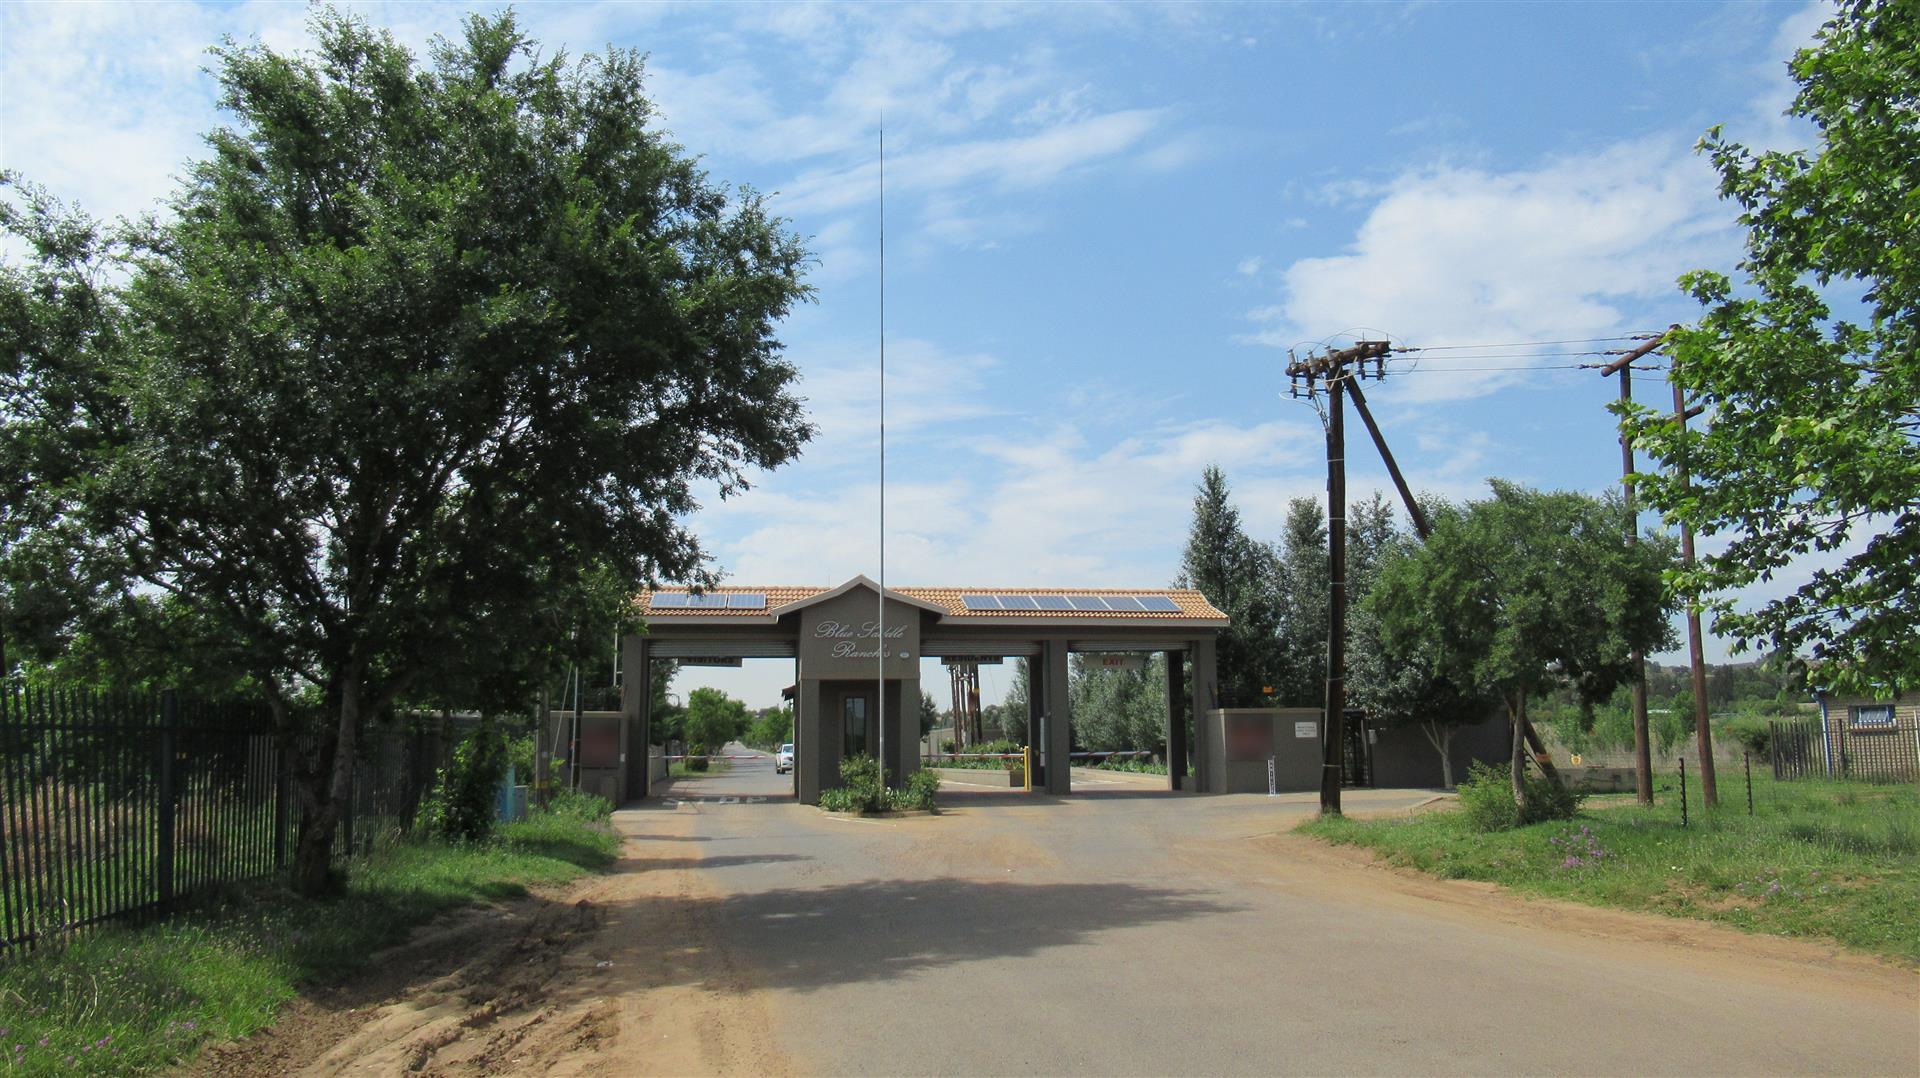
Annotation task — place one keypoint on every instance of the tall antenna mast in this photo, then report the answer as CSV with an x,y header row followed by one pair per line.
x,y
880,646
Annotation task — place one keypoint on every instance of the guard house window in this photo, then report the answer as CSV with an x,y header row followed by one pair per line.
x,y
1871,716
854,711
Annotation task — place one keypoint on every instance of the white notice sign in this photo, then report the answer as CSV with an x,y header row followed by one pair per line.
x,y
1306,729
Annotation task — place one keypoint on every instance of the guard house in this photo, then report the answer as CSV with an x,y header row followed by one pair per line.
x,y
834,637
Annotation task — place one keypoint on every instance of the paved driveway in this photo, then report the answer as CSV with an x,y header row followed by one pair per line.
x,y
1130,931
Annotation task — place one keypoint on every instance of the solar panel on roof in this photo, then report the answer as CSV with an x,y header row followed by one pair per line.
x,y
980,602
667,600
747,600
1124,602
1086,602
1052,602
1160,603
1017,602
708,601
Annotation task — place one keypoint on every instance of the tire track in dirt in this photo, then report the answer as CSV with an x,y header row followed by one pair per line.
x,y
624,974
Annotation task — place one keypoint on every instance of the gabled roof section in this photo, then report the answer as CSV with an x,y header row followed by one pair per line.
x,y
860,581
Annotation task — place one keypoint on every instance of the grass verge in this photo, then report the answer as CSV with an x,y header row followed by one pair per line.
x,y
136,1000
1817,860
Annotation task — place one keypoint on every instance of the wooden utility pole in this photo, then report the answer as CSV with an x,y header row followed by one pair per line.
x,y
1702,733
1333,764
1330,371
1642,746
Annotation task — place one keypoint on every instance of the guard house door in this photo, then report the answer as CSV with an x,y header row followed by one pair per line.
x,y
856,722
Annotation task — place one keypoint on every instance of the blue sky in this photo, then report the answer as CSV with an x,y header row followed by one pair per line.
x,y
1105,224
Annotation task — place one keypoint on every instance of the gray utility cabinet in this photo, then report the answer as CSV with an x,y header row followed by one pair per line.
x,y
1243,739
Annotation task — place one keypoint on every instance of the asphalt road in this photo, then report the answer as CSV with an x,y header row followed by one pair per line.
x,y
1125,930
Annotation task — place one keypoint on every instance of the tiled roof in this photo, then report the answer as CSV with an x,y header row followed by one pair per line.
x,y
776,597
1192,604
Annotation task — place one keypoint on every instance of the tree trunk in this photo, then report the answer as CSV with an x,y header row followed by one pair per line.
x,y
1517,771
1440,736
312,866
1542,756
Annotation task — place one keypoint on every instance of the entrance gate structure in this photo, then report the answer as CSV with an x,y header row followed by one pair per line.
x,y
833,637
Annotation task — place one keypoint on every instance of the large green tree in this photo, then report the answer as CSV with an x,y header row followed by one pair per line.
x,y
771,728
418,357
1237,574
1809,369
1301,592
1302,598
1398,684
1514,595
713,718
1119,709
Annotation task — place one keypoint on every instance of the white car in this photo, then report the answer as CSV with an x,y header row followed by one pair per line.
x,y
783,760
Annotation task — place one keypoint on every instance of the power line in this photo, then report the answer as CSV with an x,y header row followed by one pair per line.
x,y
1525,344
1475,370
1479,356
1534,367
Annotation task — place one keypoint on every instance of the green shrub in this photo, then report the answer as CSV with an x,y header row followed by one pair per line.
x,y
861,789
860,774
697,763
461,806
579,805
923,788
1487,799
1140,765
520,752
1754,732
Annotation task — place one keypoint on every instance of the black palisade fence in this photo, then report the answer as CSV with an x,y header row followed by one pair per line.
x,y
118,806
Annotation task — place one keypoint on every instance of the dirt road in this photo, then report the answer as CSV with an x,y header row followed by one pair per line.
x,y
1121,931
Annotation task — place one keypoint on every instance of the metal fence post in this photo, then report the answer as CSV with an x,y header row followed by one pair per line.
x,y
282,808
1747,758
1683,791
163,849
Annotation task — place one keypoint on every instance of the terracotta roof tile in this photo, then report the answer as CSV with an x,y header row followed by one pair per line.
x,y
1192,604
776,596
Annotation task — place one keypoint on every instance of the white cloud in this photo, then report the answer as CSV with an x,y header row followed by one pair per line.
x,y
104,103
1021,161
1250,265
130,72
1771,128
1018,501
1577,247
927,386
